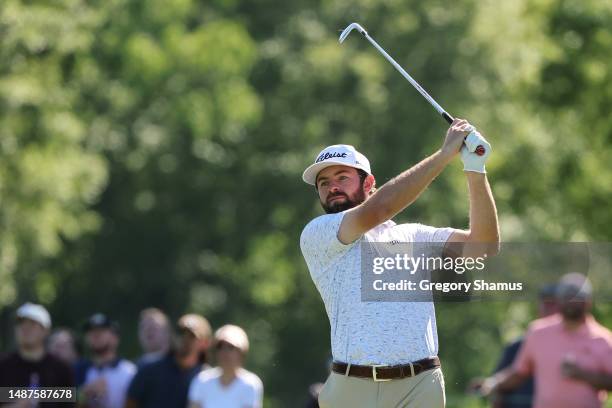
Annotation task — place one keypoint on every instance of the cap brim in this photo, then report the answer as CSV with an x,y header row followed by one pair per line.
x,y
310,174
34,319
232,342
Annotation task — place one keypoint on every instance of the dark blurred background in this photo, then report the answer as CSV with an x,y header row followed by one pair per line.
x,y
151,154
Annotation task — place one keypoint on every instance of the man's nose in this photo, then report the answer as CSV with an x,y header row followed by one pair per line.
x,y
334,188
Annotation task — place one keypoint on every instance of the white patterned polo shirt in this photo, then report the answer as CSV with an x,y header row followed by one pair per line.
x,y
369,333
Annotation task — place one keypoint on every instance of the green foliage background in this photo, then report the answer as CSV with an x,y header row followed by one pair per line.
x,y
151,153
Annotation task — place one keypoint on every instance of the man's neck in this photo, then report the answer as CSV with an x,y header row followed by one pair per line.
x,y
186,362
32,354
228,376
571,324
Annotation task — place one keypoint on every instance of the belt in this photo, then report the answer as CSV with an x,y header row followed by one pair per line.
x,y
386,373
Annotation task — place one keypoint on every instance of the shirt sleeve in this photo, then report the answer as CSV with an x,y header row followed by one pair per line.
x,y
524,363
433,238
319,242
254,398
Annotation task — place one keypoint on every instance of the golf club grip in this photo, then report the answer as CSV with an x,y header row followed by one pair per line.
x,y
480,150
447,117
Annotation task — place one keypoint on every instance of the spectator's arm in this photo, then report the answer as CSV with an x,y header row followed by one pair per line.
x,y
505,380
512,377
597,380
600,381
509,379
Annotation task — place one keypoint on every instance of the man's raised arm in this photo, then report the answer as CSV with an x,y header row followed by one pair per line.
x,y
483,236
403,190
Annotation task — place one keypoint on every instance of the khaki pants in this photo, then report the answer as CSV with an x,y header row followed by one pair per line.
x,y
426,390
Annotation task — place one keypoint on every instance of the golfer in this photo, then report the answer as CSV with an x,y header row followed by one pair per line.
x,y
385,353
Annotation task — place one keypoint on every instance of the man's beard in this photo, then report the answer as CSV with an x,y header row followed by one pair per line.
x,y
573,311
339,206
101,350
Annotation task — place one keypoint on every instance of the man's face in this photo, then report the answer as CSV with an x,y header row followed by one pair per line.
x,y
340,188
61,345
153,333
186,343
573,309
101,340
228,356
29,334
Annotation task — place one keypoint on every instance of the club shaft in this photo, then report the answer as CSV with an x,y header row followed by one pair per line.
x,y
414,83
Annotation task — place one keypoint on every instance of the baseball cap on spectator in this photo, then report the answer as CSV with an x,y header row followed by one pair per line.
x,y
36,313
100,321
334,155
575,286
196,324
233,335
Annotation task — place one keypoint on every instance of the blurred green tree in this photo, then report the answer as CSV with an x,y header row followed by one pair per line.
x,y
151,153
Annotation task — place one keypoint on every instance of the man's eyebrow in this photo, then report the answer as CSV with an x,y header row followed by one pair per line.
x,y
335,174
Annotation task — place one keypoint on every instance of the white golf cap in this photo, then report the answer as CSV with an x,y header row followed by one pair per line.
x,y
341,154
36,313
233,335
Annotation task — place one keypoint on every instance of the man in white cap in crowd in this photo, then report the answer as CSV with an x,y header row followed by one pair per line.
x,y
385,353
229,385
30,365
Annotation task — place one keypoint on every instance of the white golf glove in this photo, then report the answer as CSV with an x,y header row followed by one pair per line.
x,y
471,160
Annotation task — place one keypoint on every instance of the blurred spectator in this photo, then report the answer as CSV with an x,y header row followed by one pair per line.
x,y
569,354
30,365
315,389
165,383
522,396
313,395
104,378
228,385
62,345
154,335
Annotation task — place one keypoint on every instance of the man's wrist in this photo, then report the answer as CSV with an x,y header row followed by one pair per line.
x,y
474,176
445,155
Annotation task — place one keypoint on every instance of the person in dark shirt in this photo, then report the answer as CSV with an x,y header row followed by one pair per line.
x,y
165,383
30,365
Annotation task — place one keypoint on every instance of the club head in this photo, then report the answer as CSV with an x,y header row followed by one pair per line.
x,y
351,27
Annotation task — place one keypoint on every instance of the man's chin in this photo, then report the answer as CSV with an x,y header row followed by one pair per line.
x,y
337,207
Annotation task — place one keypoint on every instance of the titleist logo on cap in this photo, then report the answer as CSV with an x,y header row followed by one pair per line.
x,y
332,155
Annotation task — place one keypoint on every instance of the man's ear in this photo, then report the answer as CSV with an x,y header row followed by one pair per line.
x,y
369,184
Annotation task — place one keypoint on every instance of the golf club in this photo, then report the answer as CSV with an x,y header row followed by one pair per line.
x,y
355,26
